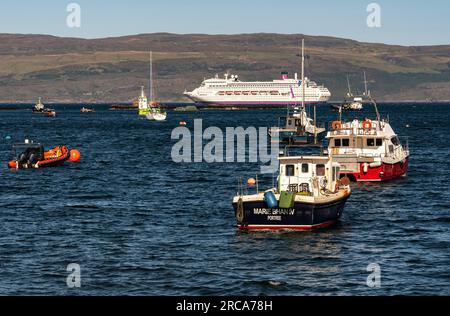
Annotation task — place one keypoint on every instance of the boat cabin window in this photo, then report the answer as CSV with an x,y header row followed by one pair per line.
x,y
290,170
305,168
372,142
289,122
335,173
395,141
345,142
320,170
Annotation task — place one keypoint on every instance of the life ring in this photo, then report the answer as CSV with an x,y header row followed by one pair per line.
x,y
336,125
367,124
240,211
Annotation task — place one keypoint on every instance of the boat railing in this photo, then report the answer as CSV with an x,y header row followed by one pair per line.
x,y
404,140
352,131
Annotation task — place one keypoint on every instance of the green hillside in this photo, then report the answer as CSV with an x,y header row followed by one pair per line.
x,y
113,69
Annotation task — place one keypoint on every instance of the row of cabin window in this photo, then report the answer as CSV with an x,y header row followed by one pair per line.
x,y
345,142
290,170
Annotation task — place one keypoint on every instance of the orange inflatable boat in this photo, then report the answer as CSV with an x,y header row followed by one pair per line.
x,y
29,155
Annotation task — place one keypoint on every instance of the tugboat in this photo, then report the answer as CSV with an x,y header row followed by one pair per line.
x,y
368,150
40,108
31,155
298,128
309,195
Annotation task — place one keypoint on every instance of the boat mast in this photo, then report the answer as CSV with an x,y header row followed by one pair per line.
x,y
303,85
151,76
365,84
349,89
303,74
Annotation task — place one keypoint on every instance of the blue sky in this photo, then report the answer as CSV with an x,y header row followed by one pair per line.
x,y
413,22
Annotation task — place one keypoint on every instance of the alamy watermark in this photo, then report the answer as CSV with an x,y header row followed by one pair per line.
x,y
374,278
74,278
229,146
374,17
73,20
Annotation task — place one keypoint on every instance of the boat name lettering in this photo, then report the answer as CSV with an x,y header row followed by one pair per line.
x,y
273,211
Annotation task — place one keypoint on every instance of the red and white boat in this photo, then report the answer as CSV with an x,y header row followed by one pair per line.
x,y
368,150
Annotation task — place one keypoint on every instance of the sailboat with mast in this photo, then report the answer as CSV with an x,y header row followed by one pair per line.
x,y
354,102
155,112
299,128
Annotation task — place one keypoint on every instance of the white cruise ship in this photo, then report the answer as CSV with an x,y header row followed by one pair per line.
x,y
229,91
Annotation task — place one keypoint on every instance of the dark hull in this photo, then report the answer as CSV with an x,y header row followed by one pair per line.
x,y
303,216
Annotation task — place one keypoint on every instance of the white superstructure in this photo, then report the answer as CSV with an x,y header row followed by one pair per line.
x,y
143,102
231,91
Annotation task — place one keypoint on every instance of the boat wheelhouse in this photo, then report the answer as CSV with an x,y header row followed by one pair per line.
x,y
143,106
309,195
298,129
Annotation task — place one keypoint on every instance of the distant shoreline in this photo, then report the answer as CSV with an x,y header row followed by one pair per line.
x,y
115,107
178,104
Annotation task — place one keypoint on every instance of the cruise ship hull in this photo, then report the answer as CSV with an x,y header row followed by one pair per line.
x,y
252,103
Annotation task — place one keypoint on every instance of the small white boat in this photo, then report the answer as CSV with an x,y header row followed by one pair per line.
x,y
160,116
357,103
154,110
156,115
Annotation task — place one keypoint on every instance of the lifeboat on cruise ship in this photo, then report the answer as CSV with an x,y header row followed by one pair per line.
x,y
30,155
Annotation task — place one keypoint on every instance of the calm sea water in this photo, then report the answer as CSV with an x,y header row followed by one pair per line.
x,y
139,224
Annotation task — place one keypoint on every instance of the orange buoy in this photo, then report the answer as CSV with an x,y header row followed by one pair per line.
x,y
12,164
74,155
251,182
